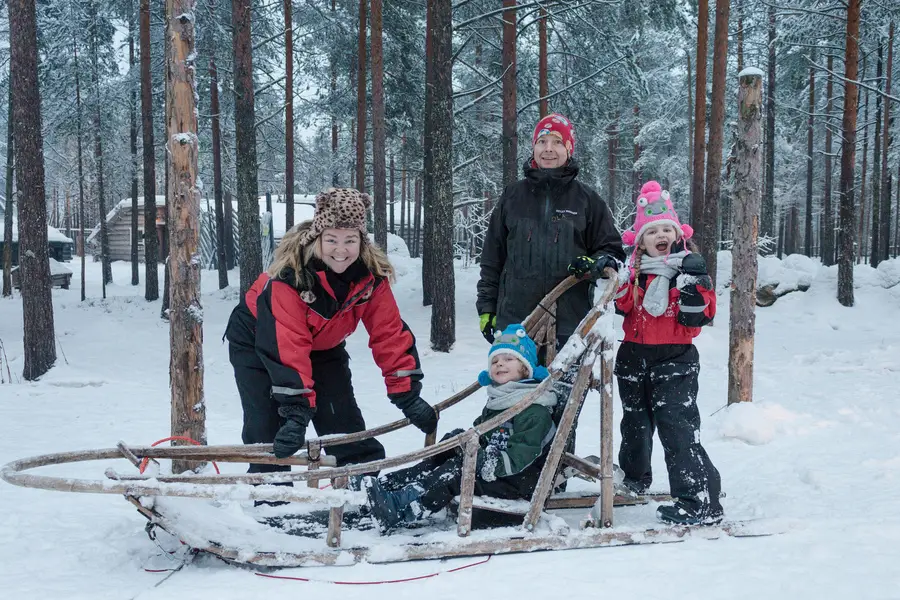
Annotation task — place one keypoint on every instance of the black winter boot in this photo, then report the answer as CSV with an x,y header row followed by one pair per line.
x,y
391,508
689,513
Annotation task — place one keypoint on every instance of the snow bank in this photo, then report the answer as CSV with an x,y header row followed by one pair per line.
x,y
754,423
889,273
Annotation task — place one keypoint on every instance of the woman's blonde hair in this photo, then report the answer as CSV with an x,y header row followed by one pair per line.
x,y
293,255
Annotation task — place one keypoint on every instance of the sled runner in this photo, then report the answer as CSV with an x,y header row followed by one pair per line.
x,y
314,530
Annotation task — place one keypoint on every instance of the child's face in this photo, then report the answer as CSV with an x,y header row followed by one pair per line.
x,y
506,368
340,248
550,152
657,240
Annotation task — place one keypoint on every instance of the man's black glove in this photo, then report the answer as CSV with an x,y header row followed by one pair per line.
x,y
487,322
592,267
420,413
292,434
694,264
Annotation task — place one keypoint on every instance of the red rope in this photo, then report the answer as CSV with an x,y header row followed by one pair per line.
x,y
405,580
181,438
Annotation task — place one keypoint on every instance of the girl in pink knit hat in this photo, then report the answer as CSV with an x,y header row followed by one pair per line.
x,y
668,297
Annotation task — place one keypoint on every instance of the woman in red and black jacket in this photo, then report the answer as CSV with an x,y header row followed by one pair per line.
x,y
286,337
668,297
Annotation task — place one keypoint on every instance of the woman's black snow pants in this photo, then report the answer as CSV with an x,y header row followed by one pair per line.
x,y
336,408
658,387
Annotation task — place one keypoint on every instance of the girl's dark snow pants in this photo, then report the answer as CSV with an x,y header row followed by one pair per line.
x,y
658,387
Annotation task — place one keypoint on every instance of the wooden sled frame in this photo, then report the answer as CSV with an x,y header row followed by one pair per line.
x,y
590,349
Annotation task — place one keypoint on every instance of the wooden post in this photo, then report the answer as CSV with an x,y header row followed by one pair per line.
x,y
467,489
185,313
746,233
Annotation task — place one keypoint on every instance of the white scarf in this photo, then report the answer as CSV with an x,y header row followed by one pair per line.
x,y
656,297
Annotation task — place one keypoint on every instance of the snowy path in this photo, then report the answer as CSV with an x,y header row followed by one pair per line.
x,y
819,450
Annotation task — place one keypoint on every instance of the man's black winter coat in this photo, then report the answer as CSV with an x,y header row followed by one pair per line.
x,y
538,227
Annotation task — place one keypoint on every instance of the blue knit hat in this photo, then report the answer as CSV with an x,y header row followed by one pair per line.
x,y
513,340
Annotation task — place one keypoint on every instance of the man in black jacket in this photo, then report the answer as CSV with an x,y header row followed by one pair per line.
x,y
545,227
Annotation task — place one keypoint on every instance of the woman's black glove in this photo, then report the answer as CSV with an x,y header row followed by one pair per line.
x,y
292,435
420,413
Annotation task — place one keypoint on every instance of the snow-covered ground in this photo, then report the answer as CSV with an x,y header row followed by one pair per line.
x,y
817,452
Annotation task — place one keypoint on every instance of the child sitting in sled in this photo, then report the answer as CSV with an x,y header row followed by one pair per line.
x,y
510,458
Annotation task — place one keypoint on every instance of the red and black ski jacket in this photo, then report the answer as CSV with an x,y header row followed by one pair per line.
x,y
690,308
283,325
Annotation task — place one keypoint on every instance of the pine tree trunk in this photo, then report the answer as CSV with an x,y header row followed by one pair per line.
x,y
862,231
79,125
221,244
780,247
132,112
699,151
185,311
740,35
361,101
508,66
8,214
151,244
848,155
897,216
543,83
745,236
875,254
34,260
768,206
709,222
439,127
245,139
288,115
378,135
884,236
827,241
332,59
404,226
427,167
810,126
98,154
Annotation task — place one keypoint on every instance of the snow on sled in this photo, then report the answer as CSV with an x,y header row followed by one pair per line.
x,y
313,530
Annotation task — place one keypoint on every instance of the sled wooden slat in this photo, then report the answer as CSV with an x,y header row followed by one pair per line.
x,y
606,434
467,487
551,464
335,517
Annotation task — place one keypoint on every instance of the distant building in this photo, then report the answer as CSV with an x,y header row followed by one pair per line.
x,y
61,247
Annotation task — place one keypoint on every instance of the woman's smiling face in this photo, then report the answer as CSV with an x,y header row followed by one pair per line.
x,y
340,248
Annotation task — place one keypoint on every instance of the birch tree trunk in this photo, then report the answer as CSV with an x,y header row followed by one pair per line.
x,y
848,155
151,244
439,127
34,264
745,236
185,310
245,140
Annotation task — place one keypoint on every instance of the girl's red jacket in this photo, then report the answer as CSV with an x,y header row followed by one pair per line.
x,y
284,328
690,307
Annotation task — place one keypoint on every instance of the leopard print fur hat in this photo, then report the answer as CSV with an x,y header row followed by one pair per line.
x,y
338,208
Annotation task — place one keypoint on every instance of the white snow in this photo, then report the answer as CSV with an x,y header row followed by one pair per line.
x,y
751,71
53,234
818,452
